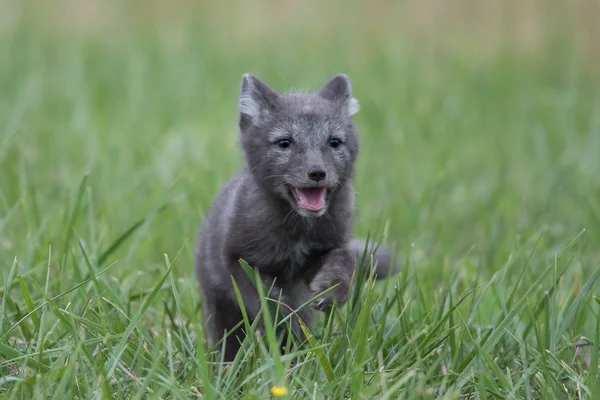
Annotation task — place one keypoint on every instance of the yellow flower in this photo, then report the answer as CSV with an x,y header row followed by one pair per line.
x,y
279,391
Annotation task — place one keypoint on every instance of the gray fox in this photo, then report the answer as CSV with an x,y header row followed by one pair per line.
x,y
289,213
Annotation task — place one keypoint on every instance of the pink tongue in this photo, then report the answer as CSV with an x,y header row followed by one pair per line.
x,y
311,198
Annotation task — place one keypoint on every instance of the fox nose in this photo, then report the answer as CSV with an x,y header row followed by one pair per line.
x,y
317,174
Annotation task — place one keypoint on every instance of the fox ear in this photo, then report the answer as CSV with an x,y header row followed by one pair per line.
x,y
339,89
256,98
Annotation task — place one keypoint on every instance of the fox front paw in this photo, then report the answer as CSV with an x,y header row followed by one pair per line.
x,y
336,296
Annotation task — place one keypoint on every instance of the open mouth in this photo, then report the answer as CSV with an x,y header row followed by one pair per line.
x,y
310,198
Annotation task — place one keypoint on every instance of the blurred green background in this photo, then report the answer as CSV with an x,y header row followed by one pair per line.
x,y
479,120
480,124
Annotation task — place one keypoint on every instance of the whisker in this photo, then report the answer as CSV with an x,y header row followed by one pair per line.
x,y
275,176
287,215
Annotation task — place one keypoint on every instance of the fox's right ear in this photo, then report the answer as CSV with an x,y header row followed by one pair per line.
x,y
256,99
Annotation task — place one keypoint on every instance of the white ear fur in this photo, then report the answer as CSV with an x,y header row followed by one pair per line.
x,y
353,106
249,106
256,97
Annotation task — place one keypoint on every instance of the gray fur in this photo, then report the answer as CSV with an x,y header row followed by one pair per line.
x,y
257,218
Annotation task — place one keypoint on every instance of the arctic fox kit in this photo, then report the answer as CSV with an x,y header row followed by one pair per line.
x,y
289,213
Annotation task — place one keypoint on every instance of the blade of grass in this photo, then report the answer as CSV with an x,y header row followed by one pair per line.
x,y
592,380
500,328
7,140
73,219
319,352
125,235
7,286
58,296
112,363
10,353
576,304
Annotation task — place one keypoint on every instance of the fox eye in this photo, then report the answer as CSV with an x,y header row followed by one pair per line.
x,y
335,143
284,143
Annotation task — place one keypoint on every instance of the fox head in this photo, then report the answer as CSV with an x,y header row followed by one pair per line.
x,y
300,148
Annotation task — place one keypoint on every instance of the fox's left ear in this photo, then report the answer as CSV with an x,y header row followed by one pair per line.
x,y
339,89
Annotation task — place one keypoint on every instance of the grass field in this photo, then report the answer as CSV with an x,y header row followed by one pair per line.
x,y
480,163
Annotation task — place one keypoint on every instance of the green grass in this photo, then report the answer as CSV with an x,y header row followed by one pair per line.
x,y
486,176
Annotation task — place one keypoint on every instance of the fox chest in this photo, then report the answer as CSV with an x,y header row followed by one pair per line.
x,y
298,252
295,259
